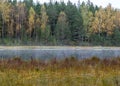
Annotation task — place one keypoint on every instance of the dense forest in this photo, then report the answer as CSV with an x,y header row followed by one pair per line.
x,y
58,23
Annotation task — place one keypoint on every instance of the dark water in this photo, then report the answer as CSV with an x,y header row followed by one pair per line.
x,y
59,53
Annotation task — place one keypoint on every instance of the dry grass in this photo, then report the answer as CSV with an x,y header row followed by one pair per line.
x,y
67,72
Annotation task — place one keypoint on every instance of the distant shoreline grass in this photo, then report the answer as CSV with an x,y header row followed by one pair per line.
x,y
65,62
60,47
66,72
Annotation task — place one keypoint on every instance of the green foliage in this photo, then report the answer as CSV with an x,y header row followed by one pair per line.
x,y
45,35
62,31
116,37
27,22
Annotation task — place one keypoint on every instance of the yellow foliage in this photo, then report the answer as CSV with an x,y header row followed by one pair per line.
x,y
103,21
44,18
5,9
31,20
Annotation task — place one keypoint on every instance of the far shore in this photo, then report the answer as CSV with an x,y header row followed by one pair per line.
x,y
61,47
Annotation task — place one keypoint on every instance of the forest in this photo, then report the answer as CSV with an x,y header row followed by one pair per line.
x,y
58,23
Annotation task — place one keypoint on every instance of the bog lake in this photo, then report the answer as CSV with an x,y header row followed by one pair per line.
x,y
59,52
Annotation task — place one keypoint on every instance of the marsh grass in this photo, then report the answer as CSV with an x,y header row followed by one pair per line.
x,y
66,72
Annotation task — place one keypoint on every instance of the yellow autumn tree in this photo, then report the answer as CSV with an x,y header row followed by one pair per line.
x,y
44,18
31,21
5,9
20,16
109,19
97,25
117,19
103,22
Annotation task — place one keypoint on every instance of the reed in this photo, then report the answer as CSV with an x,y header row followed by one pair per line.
x,y
66,72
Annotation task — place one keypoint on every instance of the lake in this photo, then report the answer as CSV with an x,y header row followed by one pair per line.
x,y
59,52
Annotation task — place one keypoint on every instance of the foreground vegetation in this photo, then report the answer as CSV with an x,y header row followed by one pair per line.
x,y
68,72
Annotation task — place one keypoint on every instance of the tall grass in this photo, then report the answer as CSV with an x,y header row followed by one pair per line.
x,y
66,72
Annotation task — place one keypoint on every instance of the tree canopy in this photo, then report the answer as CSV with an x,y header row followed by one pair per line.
x,y
57,23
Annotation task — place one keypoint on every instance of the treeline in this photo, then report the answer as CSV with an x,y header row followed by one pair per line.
x,y
58,23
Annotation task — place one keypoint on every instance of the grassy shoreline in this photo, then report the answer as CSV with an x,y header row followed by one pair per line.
x,y
67,72
58,47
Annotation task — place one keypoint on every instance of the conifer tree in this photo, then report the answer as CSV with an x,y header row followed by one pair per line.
x,y
62,31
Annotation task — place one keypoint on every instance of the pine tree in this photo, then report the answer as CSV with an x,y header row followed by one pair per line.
x,y
87,16
62,31
45,28
53,15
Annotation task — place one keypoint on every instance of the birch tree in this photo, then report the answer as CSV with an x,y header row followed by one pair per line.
x,y
31,20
